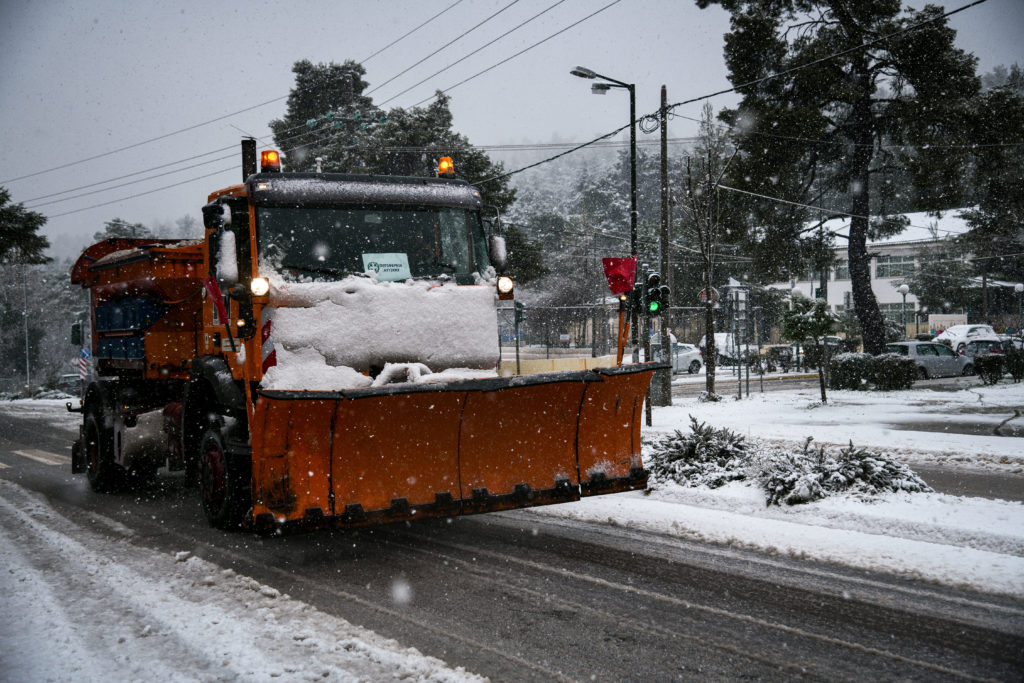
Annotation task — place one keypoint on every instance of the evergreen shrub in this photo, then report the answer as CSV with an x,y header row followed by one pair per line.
x,y
989,367
849,371
891,371
714,457
706,456
1015,364
814,473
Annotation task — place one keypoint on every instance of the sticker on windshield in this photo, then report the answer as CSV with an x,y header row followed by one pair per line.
x,y
389,267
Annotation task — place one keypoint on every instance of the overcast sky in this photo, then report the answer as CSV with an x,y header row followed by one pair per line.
x,y
81,78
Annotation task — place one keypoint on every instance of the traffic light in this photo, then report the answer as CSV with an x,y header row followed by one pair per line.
x,y
655,295
638,301
519,312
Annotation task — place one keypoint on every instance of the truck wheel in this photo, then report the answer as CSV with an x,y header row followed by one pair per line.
x,y
104,475
224,482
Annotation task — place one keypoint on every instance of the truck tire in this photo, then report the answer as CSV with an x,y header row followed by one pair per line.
x,y
105,476
224,481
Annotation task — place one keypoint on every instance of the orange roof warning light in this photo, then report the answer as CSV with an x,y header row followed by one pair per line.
x,y
270,161
446,168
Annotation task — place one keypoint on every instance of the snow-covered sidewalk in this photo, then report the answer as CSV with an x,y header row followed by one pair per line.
x,y
951,540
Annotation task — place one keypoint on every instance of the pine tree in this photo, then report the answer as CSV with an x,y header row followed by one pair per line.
x,y
822,128
119,227
327,117
19,228
996,238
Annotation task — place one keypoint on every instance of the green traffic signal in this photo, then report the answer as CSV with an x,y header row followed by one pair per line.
x,y
653,307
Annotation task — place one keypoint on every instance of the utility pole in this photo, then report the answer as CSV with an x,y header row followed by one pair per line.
x,y
24,290
665,376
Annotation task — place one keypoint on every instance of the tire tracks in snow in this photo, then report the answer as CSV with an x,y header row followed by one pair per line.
x,y
133,613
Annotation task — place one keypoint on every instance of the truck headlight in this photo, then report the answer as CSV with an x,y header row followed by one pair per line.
x,y
259,286
505,285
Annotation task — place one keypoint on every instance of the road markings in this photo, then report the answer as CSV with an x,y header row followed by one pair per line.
x,y
44,457
3,466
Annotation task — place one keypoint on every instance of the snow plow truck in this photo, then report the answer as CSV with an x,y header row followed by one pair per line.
x,y
327,355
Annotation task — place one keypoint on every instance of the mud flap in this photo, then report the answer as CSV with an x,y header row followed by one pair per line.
x,y
401,452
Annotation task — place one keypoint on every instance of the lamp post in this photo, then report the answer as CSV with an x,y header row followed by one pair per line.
x,y
903,289
1019,288
601,89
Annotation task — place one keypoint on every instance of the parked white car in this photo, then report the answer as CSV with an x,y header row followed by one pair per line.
x,y
686,358
933,360
957,336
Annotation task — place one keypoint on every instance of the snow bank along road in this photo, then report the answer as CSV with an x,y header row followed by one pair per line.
x,y
134,583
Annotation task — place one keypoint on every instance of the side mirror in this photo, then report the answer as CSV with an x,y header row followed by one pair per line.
x,y
497,253
216,216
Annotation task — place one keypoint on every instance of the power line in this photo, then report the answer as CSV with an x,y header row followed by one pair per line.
x,y
822,209
203,123
143,142
434,53
142,194
129,175
842,143
525,50
406,35
465,57
132,182
670,108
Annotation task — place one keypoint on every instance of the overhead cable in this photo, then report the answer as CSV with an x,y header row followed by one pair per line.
x,y
523,51
465,57
447,44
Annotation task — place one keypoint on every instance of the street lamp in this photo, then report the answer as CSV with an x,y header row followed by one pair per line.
x,y
601,89
1019,288
903,289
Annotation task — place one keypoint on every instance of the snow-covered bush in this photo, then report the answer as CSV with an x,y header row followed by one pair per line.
x,y
814,473
989,367
1015,364
713,457
891,371
706,456
849,371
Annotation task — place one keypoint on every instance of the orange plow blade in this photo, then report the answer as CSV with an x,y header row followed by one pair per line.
x,y
368,456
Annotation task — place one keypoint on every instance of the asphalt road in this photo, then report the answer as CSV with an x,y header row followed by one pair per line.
x,y
515,598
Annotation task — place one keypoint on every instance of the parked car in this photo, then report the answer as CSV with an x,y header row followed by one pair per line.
x,y
778,357
726,349
957,336
933,359
70,384
686,358
986,345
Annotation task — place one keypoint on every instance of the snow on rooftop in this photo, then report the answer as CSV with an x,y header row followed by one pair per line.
x,y
923,227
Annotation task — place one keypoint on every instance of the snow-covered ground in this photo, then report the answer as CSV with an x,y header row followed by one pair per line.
x,y
79,607
250,631
952,540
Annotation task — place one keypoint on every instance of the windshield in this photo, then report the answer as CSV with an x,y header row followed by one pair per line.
x,y
395,242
